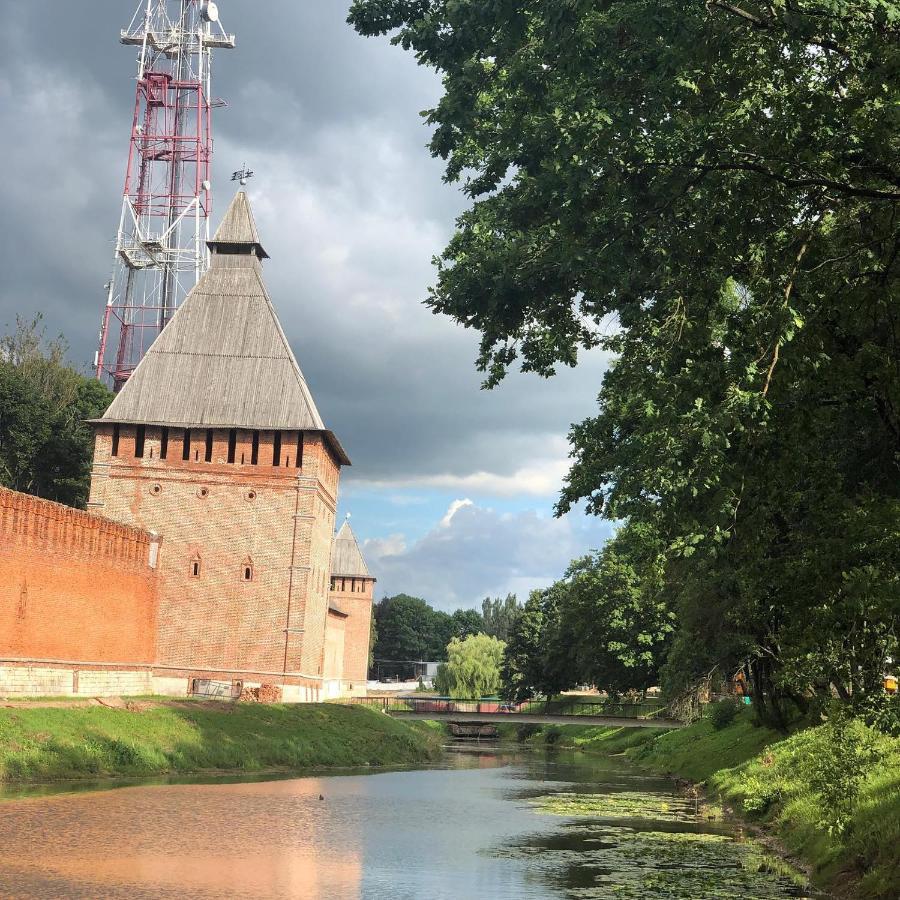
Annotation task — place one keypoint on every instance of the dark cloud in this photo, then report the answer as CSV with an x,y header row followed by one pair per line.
x,y
350,205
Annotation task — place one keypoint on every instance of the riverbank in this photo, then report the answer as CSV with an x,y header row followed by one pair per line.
x,y
54,744
830,797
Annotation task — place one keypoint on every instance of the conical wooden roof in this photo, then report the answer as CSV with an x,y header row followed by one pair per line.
x,y
238,226
346,557
223,360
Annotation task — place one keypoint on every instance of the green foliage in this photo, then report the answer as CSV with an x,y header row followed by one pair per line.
x,y
723,713
719,183
833,795
472,669
407,628
537,661
849,751
605,623
466,622
46,446
499,615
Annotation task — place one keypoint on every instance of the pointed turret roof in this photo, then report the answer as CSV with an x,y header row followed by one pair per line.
x,y
223,360
238,227
346,557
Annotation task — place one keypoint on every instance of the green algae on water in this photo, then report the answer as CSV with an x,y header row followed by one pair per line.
x,y
607,862
621,805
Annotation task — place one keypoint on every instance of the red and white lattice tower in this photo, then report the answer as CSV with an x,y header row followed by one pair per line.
x,y
161,243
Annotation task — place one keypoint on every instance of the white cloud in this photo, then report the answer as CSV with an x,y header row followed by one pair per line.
x,y
475,551
455,506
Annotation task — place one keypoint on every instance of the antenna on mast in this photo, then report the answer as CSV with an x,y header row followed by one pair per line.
x,y
161,248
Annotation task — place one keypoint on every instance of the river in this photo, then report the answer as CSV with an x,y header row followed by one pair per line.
x,y
487,823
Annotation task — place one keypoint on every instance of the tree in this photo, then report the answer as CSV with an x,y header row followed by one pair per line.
x,y
466,622
404,628
373,638
499,615
614,609
606,623
537,660
718,181
409,629
46,445
472,669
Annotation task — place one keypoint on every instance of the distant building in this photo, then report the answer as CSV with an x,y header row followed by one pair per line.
x,y
215,455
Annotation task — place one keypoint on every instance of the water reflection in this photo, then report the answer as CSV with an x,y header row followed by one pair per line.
x,y
488,823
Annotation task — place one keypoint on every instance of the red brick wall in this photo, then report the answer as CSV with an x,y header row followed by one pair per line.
x,y
279,519
335,636
358,605
73,586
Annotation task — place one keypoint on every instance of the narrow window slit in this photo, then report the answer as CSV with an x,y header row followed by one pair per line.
x,y
276,449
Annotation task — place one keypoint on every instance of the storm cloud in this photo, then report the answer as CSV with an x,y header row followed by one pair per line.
x,y
351,208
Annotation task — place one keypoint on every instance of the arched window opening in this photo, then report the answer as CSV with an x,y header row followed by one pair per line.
x,y
247,570
195,567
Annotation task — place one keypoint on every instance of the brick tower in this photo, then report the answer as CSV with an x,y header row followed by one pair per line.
x,y
351,591
216,444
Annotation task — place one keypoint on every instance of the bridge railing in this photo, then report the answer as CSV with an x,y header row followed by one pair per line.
x,y
560,707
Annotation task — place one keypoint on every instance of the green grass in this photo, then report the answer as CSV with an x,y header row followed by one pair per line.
x,y
591,738
793,787
698,751
46,744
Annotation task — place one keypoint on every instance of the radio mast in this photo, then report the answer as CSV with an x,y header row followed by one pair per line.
x,y
163,228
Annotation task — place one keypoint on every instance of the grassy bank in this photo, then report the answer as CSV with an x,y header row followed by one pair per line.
x,y
46,744
591,738
831,796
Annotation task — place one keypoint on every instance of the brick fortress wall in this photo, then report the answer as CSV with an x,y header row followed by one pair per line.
x,y
78,594
354,597
278,520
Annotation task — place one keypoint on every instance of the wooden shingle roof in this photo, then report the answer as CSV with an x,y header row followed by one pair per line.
x,y
346,557
238,225
223,360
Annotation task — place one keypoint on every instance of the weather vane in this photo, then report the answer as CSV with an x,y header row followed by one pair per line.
x,y
242,174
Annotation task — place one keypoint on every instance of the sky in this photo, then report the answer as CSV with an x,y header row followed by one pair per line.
x,y
452,488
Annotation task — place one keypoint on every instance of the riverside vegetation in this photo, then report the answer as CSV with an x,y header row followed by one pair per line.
x,y
830,795
48,744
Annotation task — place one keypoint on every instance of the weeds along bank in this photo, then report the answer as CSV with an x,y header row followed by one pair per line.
x,y
829,794
45,744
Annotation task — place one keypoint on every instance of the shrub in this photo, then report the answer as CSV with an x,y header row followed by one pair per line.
x,y
723,713
846,754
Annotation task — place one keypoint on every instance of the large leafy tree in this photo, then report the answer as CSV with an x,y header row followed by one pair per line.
x,y
607,622
472,669
410,629
708,191
46,445
466,622
614,608
538,659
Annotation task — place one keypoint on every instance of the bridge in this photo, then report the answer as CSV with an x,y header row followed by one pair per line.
x,y
604,712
